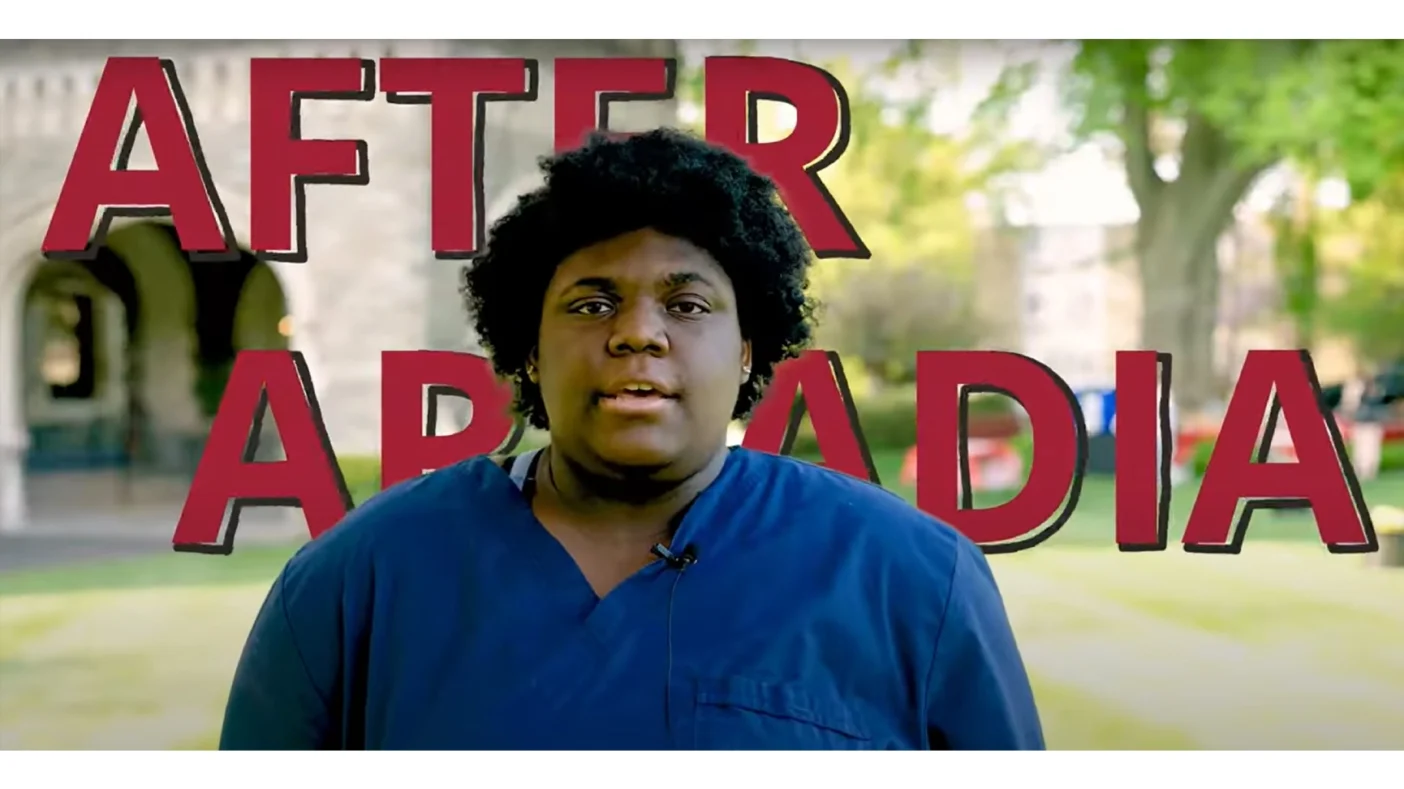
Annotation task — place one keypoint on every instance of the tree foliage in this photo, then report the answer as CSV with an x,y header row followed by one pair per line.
x,y
904,187
1337,104
1223,112
882,318
1369,309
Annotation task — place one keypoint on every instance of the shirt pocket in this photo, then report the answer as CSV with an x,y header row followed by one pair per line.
x,y
738,713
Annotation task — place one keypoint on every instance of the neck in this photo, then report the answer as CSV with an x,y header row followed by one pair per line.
x,y
624,502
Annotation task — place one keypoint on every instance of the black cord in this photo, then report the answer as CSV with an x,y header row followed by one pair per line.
x,y
668,682
679,562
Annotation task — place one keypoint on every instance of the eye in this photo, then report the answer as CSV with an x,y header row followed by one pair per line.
x,y
689,307
591,307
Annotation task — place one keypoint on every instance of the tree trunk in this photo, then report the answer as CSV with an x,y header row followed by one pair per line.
x,y
1177,240
1180,298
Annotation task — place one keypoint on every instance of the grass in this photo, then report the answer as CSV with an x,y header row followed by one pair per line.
x,y
1093,522
1283,646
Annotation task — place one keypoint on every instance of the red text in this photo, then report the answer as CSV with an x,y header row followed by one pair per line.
x,y
459,91
1274,386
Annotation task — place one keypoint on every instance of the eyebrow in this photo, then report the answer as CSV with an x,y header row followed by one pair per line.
x,y
674,280
594,283
681,278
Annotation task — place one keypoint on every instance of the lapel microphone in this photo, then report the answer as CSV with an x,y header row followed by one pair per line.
x,y
677,561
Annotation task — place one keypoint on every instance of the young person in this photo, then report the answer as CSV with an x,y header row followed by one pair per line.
x,y
637,584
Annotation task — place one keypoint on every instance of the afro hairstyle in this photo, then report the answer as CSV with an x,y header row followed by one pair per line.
x,y
666,180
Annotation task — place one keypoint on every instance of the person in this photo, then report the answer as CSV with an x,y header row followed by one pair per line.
x,y
1370,415
637,584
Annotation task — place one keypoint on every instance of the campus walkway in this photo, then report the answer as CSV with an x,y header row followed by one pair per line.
x,y
89,517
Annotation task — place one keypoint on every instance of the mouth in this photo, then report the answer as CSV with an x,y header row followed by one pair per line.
x,y
636,397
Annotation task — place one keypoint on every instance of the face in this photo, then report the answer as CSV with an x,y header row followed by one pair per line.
x,y
640,356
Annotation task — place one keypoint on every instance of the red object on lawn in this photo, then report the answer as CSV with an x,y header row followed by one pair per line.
x,y
1187,440
993,464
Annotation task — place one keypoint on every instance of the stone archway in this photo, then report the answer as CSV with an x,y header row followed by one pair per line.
x,y
79,321
263,322
156,335
129,440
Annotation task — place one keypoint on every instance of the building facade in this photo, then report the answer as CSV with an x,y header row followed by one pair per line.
x,y
110,370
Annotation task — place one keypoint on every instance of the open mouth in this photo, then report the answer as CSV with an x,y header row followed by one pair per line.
x,y
636,398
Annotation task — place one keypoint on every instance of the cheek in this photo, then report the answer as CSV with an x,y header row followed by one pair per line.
x,y
559,365
556,375
718,374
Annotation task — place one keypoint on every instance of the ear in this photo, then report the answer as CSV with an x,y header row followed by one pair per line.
x,y
745,361
531,367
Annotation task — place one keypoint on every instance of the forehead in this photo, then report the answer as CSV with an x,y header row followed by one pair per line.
x,y
641,257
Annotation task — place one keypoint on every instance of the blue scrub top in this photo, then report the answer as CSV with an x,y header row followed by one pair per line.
x,y
822,612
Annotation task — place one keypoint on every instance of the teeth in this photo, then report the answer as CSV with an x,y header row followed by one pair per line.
x,y
638,388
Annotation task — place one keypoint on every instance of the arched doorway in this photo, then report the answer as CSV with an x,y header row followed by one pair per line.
x,y
126,358
239,305
79,321
261,322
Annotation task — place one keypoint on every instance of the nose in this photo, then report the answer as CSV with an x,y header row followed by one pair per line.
x,y
640,327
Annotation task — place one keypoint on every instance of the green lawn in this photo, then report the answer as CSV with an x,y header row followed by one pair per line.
x,y
1093,521
1283,646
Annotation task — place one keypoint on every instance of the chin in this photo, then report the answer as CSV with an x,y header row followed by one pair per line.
x,y
636,457
637,451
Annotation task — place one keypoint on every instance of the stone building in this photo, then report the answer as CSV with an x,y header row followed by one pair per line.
x,y
109,370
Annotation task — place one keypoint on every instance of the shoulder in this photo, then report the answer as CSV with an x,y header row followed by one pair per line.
x,y
929,572
862,517
419,515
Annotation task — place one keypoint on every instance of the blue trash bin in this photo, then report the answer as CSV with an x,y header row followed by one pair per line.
x,y
1099,414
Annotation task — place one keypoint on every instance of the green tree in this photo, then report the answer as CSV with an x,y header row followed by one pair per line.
x,y
1369,309
881,316
904,187
1225,111
1297,222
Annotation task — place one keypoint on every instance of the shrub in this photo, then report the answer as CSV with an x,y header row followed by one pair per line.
x,y
880,316
888,419
1200,459
1022,443
532,439
361,474
1391,456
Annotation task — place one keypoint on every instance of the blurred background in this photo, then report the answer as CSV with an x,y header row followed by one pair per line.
x,y
1059,199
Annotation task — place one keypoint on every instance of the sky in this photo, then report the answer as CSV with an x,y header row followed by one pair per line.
x,y
1081,187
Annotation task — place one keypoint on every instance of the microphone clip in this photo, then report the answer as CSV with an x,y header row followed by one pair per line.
x,y
677,561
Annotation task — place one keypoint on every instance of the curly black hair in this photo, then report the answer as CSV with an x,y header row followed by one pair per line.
x,y
666,180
